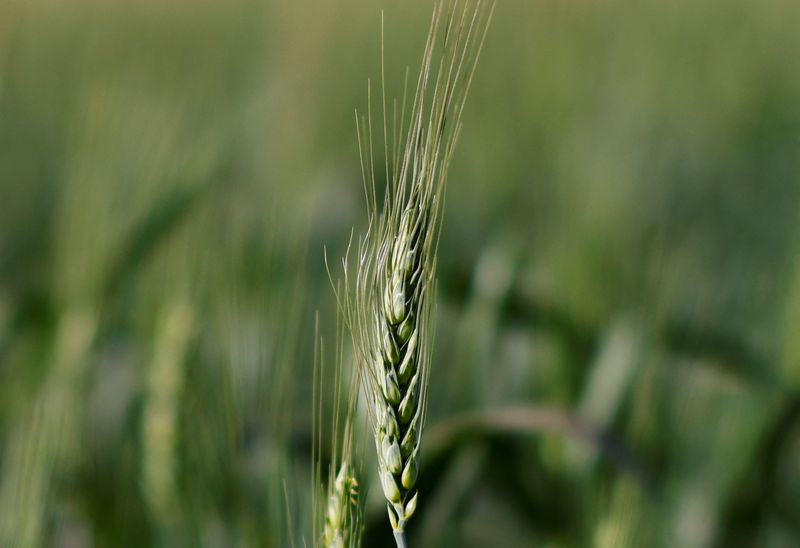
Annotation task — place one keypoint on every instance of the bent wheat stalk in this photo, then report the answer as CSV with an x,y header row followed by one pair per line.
x,y
388,305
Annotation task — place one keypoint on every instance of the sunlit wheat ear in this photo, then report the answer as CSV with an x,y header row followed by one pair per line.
x,y
387,304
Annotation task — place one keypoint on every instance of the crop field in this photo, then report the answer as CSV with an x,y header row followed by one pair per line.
x,y
610,311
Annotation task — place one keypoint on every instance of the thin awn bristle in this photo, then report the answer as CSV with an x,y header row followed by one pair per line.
x,y
388,306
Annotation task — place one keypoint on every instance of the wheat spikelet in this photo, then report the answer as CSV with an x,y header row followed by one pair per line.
x,y
389,302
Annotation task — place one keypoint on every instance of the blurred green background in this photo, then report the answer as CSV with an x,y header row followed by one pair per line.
x,y
619,294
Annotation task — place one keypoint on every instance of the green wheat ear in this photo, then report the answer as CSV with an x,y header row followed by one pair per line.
x,y
388,304
341,509
336,503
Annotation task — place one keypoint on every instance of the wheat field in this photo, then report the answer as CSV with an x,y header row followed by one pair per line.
x,y
614,356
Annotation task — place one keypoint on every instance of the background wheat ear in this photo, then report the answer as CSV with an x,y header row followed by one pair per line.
x,y
389,306
341,527
336,502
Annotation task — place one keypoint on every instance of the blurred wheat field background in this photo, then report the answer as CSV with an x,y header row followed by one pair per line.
x,y
617,360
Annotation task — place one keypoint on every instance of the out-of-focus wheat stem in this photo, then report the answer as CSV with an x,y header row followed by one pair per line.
x,y
45,440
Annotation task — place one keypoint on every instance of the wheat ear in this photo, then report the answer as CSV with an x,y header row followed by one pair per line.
x,y
336,508
340,530
388,306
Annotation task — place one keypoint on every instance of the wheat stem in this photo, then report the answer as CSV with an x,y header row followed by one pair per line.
x,y
400,539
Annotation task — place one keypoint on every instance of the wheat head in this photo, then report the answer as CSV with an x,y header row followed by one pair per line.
x,y
339,530
336,508
388,304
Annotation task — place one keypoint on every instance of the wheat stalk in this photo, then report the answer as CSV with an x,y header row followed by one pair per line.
x,y
388,305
